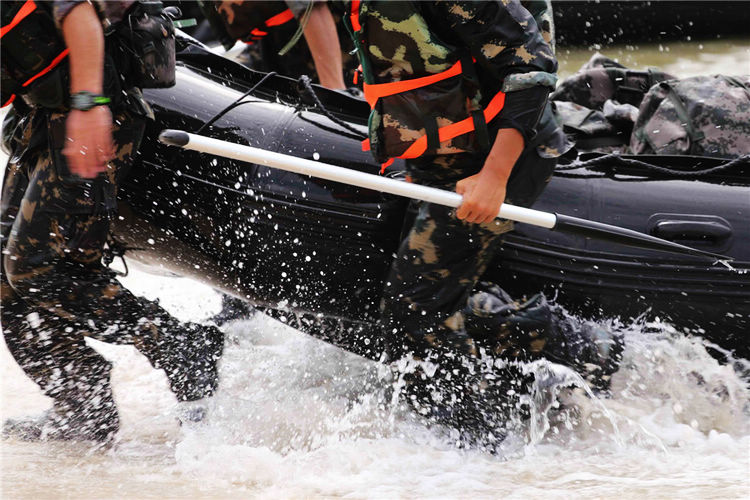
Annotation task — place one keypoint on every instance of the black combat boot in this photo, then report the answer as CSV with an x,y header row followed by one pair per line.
x,y
190,360
83,407
187,352
232,308
535,329
591,349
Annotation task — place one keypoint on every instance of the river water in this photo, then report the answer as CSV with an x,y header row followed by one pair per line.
x,y
296,418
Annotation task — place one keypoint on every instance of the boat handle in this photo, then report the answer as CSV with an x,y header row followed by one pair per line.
x,y
712,230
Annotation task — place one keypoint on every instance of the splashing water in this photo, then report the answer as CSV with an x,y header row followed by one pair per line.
x,y
297,417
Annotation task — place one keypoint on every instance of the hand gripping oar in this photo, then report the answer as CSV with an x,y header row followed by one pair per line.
x,y
312,168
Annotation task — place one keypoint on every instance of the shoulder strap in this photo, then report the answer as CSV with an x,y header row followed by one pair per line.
x,y
300,29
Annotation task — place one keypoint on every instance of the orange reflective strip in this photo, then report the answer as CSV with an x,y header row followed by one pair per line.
x,y
451,131
12,98
354,17
279,19
27,9
375,91
257,32
465,126
385,165
49,68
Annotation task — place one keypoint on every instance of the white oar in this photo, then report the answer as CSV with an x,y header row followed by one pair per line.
x,y
313,168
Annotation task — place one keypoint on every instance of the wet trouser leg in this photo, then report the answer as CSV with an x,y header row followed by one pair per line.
x,y
425,301
442,258
55,292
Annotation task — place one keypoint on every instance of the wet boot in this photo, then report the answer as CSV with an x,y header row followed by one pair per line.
x,y
232,308
63,423
476,402
187,352
534,329
591,349
191,361
83,406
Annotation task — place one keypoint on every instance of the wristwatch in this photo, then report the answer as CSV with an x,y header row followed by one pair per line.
x,y
85,100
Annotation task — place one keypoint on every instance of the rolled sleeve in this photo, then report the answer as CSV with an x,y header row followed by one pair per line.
x,y
522,110
61,9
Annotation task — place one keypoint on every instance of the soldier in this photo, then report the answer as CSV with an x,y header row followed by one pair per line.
x,y
72,135
457,89
271,30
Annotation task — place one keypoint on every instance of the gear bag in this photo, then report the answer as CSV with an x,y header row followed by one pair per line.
x,y
702,115
144,48
602,79
598,105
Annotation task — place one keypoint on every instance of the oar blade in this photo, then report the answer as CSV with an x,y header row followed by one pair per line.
x,y
600,231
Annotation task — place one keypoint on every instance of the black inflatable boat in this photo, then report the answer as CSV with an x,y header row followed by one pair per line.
x,y
316,252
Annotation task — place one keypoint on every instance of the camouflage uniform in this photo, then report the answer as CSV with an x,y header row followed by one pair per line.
x,y
432,306
55,290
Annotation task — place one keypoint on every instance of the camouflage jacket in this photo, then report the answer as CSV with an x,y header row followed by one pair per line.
x,y
400,41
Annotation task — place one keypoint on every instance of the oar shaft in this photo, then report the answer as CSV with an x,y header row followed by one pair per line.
x,y
344,175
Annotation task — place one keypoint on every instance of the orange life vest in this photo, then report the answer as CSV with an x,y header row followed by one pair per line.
x,y
20,78
375,93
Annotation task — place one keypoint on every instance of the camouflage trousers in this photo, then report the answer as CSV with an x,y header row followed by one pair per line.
x,y
55,290
442,258
434,312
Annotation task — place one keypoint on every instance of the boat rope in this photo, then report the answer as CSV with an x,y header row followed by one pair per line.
x,y
629,162
306,84
114,249
236,103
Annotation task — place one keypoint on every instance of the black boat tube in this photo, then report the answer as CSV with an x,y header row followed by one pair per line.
x,y
557,222
614,234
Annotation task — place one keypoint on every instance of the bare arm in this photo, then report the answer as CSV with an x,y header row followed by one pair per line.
x,y
484,192
89,133
323,40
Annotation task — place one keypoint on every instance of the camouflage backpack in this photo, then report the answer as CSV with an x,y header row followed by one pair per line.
x,y
702,115
598,105
602,79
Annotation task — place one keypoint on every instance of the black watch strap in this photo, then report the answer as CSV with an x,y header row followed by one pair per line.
x,y
85,100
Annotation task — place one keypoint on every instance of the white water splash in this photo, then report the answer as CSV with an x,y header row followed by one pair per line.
x,y
295,417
